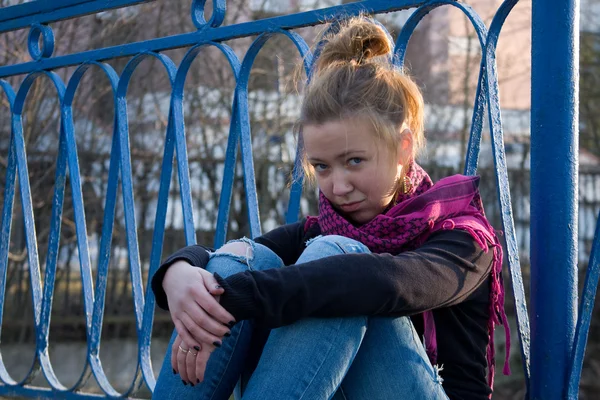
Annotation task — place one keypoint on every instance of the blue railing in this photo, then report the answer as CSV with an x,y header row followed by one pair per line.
x,y
555,334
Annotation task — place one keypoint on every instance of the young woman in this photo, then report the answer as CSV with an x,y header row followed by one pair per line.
x,y
392,292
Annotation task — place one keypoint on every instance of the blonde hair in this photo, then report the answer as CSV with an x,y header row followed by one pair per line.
x,y
354,77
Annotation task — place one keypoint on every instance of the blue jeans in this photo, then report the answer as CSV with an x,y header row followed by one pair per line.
x,y
356,358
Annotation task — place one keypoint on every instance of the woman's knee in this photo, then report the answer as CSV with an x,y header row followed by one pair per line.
x,y
246,253
239,248
336,244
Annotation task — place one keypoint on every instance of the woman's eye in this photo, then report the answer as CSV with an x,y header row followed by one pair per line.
x,y
319,167
355,161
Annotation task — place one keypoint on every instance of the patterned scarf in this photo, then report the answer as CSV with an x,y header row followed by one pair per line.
x,y
452,203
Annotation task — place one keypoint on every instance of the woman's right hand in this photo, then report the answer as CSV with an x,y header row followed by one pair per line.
x,y
192,294
188,362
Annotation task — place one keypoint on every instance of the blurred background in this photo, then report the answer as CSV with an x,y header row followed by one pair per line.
x,y
443,56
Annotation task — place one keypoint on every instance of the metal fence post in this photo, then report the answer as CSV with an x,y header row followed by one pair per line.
x,y
554,188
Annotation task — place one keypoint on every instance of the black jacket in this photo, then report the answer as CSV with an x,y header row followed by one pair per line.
x,y
448,274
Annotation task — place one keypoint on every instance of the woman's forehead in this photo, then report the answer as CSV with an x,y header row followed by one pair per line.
x,y
337,142
338,138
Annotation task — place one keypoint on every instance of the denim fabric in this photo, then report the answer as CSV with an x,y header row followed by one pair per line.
x,y
358,358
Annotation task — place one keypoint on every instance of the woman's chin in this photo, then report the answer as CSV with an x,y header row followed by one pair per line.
x,y
359,218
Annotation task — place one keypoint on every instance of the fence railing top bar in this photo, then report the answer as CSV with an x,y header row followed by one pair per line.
x,y
36,7
291,21
46,11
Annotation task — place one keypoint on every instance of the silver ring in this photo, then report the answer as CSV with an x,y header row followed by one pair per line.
x,y
183,350
193,353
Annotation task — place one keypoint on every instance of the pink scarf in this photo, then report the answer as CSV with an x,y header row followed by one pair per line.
x,y
452,203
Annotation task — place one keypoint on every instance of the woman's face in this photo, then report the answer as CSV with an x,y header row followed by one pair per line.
x,y
354,169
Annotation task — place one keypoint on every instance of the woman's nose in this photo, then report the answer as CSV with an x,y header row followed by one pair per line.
x,y
341,186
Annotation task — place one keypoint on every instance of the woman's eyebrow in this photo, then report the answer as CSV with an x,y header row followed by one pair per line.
x,y
341,155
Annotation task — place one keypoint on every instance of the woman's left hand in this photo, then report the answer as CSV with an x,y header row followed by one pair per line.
x,y
193,298
189,362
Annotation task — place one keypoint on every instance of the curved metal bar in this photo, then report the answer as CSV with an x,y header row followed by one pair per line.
x,y
416,17
7,211
33,45
241,96
481,93
8,91
104,261
495,123
177,106
217,17
474,145
175,139
93,302
122,133
586,307
297,184
41,297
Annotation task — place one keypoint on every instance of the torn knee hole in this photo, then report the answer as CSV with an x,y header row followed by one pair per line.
x,y
237,248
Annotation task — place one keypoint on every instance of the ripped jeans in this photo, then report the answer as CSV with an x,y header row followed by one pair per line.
x,y
358,358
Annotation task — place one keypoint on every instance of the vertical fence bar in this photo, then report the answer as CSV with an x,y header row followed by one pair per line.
x,y
554,170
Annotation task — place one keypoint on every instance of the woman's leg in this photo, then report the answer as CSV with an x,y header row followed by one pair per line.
x,y
392,364
373,358
227,362
308,359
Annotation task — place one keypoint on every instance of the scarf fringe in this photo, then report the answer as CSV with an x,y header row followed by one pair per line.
x,y
497,295
486,239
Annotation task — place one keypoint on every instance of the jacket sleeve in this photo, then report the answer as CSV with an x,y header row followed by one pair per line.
x,y
443,272
286,241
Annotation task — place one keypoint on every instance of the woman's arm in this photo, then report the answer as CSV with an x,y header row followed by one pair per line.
x,y
443,272
286,241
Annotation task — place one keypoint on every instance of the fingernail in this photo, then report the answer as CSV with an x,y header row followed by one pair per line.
x,y
197,348
174,372
216,344
198,381
231,324
191,384
227,334
217,286
184,382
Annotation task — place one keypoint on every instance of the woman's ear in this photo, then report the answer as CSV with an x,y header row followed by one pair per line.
x,y
405,148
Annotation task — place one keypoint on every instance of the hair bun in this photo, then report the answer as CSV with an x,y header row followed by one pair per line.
x,y
358,40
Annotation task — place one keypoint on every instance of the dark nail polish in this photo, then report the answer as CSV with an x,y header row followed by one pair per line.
x,y
198,381
191,384
174,372
197,348
217,286
231,324
184,382
227,334
216,344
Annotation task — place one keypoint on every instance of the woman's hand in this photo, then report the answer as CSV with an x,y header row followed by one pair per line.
x,y
189,362
192,294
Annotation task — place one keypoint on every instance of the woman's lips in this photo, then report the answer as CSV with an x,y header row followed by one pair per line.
x,y
349,207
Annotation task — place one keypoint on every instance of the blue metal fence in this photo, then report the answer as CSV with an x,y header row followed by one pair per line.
x,y
555,334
